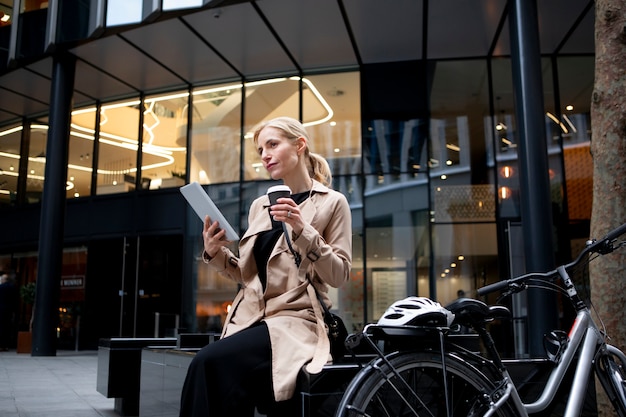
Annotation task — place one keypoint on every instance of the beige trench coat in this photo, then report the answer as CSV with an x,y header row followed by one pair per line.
x,y
289,305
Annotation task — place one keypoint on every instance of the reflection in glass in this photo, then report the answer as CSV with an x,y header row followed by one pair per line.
x,y
117,154
80,160
36,162
465,258
164,158
216,133
10,139
215,292
180,4
397,245
264,101
122,12
6,14
394,150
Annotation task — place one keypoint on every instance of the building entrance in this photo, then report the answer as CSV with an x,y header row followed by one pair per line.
x,y
134,287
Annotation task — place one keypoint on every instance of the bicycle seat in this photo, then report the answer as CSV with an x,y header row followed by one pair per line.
x,y
468,312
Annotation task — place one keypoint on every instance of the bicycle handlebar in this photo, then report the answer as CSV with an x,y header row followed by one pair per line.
x,y
603,246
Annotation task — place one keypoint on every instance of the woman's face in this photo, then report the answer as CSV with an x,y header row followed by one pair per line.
x,y
278,154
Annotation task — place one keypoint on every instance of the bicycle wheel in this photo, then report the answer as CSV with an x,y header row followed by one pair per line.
x,y
378,392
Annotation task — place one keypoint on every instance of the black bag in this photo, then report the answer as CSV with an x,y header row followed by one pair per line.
x,y
337,334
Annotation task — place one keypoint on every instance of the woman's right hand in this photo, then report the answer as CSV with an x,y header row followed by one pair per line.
x,y
214,237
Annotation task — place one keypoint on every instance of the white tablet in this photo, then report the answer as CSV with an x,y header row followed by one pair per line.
x,y
202,204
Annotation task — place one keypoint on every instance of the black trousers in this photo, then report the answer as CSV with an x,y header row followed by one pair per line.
x,y
232,376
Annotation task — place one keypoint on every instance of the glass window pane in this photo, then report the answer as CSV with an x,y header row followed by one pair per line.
x,y
122,12
164,158
502,141
30,5
117,153
180,4
215,293
331,108
80,160
216,134
6,14
394,151
36,162
465,258
264,101
397,245
576,75
10,142
462,179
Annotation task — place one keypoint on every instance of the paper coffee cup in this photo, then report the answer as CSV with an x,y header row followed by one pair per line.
x,y
278,191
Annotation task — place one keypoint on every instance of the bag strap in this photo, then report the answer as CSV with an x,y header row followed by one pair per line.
x,y
328,318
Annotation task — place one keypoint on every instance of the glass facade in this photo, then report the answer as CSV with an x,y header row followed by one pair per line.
x,y
426,152
426,192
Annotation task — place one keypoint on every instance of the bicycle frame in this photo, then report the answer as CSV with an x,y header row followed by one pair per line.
x,y
585,339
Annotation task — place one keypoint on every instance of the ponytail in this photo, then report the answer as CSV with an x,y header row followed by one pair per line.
x,y
319,169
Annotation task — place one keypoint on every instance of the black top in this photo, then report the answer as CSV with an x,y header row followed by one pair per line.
x,y
266,241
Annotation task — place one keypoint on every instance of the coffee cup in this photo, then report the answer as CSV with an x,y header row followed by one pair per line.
x,y
278,191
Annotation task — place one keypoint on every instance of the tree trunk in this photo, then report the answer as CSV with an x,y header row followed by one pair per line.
x,y
608,149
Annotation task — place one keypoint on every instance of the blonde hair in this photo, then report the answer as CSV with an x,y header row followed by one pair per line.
x,y
316,164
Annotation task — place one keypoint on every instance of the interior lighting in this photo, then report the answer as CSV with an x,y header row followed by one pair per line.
x,y
569,107
570,124
12,130
5,18
507,171
555,120
461,257
505,193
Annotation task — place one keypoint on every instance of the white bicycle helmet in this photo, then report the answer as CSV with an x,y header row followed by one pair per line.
x,y
416,311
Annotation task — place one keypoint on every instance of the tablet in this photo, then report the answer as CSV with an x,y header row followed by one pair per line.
x,y
202,204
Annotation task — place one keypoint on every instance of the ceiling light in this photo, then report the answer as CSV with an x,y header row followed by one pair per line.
x,y
569,108
555,120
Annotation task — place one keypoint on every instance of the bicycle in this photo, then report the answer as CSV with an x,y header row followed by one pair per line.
x,y
427,371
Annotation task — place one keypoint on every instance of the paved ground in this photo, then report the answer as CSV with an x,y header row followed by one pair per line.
x,y
62,385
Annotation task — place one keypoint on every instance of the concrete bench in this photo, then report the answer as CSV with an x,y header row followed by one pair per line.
x,y
119,369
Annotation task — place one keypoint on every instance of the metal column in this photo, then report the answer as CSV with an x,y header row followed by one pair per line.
x,y
46,310
536,208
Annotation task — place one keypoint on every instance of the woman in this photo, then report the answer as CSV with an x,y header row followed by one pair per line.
x,y
275,325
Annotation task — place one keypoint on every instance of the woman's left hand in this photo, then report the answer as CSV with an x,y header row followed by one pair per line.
x,y
286,210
